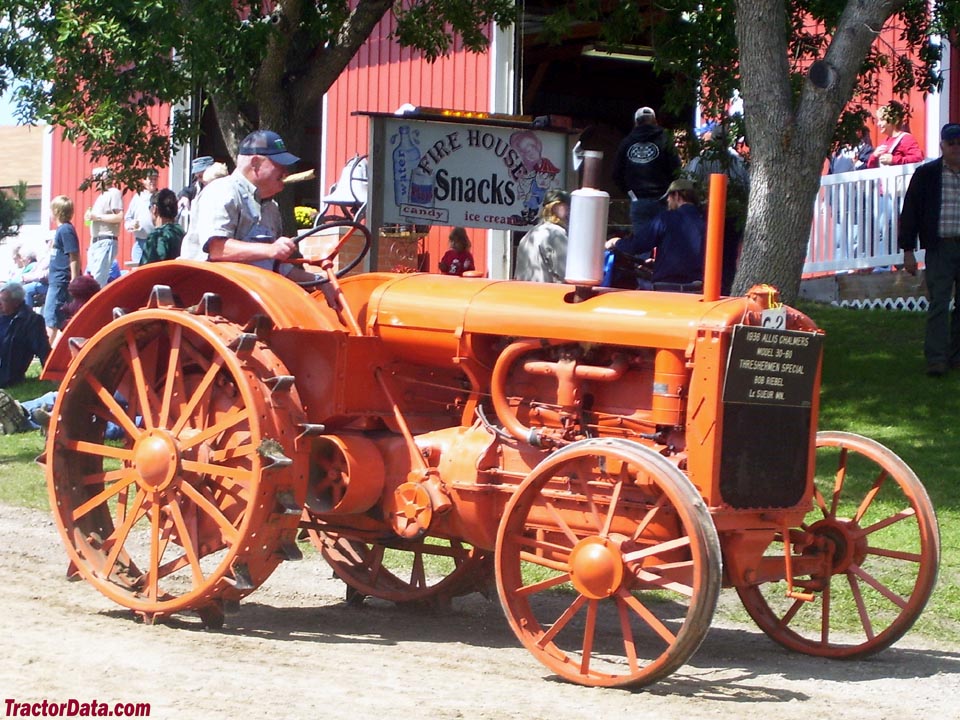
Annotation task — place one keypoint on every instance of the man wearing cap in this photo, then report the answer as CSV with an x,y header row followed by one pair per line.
x,y
238,221
186,196
931,213
138,220
645,164
105,217
678,235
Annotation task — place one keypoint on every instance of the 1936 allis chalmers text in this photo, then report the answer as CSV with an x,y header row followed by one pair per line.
x,y
614,457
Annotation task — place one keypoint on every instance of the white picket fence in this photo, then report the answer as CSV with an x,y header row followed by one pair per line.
x,y
855,220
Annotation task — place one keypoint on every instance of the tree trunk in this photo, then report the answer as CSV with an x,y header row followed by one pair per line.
x,y
789,132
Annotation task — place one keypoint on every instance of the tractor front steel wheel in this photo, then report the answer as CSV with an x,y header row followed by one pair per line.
x,y
162,462
608,564
428,570
864,561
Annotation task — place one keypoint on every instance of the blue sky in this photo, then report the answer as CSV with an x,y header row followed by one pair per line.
x,y
6,110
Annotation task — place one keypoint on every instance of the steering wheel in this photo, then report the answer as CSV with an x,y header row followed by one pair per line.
x,y
353,262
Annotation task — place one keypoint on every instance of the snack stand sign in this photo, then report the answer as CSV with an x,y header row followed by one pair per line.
x,y
474,175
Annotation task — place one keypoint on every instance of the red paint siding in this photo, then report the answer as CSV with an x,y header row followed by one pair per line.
x,y
382,77
71,166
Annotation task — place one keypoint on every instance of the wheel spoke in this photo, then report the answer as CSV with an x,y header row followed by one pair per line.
x,y
612,510
129,476
862,612
629,646
118,537
240,474
825,600
561,622
647,576
589,633
240,451
204,385
188,541
659,548
648,518
116,410
131,354
106,451
235,416
584,473
869,497
212,511
542,585
155,550
418,576
870,580
108,476
172,376
647,616
887,522
838,482
895,554
561,523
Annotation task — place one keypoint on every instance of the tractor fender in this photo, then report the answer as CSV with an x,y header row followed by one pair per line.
x,y
244,291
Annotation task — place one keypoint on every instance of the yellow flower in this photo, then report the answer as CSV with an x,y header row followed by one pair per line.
x,y
304,215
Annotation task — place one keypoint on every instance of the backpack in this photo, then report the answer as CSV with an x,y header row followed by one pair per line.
x,y
12,418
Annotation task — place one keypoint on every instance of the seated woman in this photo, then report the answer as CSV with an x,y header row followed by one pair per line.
x,y
163,243
542,253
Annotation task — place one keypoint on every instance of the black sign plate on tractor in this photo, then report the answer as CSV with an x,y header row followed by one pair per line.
x,y
767,406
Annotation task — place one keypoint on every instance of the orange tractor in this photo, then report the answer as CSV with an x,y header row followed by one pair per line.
x,y
613,457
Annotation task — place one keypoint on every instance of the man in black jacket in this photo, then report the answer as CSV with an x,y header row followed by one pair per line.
x,y
644,166
23,335
931,212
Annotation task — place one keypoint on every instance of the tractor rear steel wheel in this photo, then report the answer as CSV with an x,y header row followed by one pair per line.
x,y
189,506
865,557
608,564
431,570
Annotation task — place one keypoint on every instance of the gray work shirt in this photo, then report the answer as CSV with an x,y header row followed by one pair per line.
x,y
232,208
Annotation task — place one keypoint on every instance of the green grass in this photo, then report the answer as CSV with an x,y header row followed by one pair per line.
x,y
21,479
873,384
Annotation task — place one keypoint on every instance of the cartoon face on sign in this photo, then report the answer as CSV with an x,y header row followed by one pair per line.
x,y
529,147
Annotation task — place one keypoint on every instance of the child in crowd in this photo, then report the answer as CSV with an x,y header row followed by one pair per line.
x,y
64,265
457,259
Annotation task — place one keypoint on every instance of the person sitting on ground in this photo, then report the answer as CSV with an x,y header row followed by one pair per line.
x,y
17,417
678,235
31,272
458,259
542,252
163,243
22,335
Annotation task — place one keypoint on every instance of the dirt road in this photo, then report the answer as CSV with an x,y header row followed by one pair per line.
x,y
296,650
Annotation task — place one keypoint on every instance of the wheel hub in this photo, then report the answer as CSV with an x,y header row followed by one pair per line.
x,y
844,539
596,567
156,459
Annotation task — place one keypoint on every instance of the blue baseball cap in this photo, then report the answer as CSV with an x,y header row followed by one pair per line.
x,y
268,144
950,131
200,164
